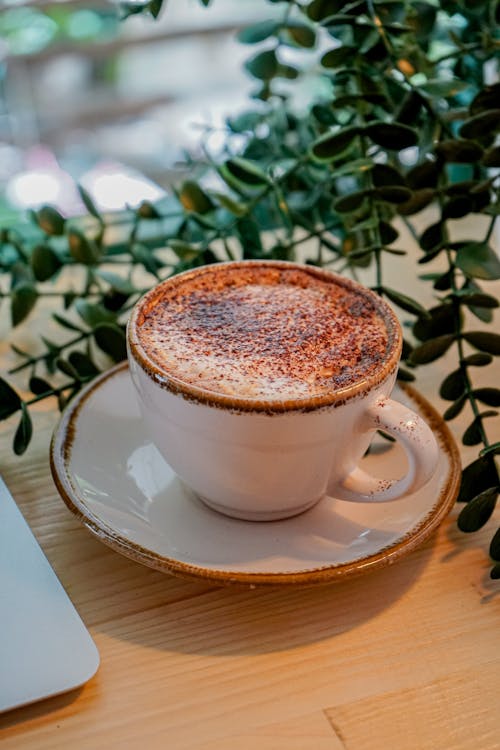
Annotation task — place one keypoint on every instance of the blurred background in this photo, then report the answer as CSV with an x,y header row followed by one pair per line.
x,y
113,104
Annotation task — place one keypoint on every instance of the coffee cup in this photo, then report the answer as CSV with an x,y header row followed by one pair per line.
x,y
262,384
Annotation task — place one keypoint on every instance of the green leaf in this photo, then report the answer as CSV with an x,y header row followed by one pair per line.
x,y
113,300
93,314
67,368
443,88
484,341
392,136
485,99
473,434
154,7
405,376
44,262
491,157
10,401
348,203
258,32
407,349
440,319
323,114
478,510
453,386
494,448
81,249
424,175
495,548
405,303
481,125
21,274
89,203
119,283
19,351
419,200
431,349
339,56
478,360
22,301
478,260
111,340
477,299
263,66
246,172
68,298
329,146
130,8
484,314
478,476
393,194
432,237
455,409
318,10
302,35
51,346
245,121
459,151
386,175
146,210
83,364
388,233
489,396
287,71
23,433
249,235
444,281
145,256
50,220
457,207
495,572
65,323
39,386
235,207
193,198
183,250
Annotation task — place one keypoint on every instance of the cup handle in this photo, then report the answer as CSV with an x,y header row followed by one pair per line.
x,y
418,442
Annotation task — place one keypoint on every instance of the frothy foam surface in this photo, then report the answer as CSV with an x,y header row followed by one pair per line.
x,y
263,332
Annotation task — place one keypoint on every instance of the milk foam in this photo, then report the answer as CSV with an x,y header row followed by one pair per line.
x,y
263,331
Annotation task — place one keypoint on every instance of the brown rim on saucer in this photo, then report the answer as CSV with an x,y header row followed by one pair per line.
x,y
202,395
60,457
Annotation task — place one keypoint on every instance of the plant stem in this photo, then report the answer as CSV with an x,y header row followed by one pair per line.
x,y
31,361
59,390
461,354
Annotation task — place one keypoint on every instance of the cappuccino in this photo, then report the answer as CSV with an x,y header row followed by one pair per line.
x,y
262,383
264,331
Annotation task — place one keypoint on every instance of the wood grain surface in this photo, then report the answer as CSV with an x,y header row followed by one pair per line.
x,y
407,657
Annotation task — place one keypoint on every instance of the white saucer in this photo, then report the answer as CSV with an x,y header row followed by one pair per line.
x,y
112,477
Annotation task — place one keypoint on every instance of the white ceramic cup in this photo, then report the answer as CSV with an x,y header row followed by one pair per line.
x,y
265,460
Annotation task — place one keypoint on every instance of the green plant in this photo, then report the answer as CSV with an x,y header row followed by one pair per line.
x,y
400,119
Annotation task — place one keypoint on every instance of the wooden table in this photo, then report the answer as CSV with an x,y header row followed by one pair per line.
x,y
406,657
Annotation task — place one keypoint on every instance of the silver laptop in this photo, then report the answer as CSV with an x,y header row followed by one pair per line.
x,y
45,648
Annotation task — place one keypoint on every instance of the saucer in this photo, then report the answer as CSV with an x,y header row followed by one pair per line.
x,y
114,480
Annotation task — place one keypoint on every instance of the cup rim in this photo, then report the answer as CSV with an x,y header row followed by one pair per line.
x,y
195,393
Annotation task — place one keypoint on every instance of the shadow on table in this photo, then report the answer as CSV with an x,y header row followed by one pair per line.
x,y
192,617
33,711
462,543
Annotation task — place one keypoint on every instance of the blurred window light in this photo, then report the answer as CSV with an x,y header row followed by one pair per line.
x,y
34,188
114,187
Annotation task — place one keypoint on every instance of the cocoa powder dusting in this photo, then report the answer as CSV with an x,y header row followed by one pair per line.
x,y
264,332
